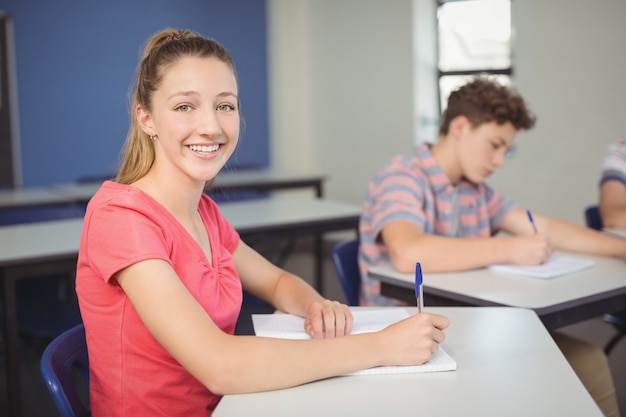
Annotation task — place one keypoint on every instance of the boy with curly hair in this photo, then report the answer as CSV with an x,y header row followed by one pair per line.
x,y
434,207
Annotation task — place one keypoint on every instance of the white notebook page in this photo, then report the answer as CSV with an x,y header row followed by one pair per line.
x,y
287,326
556,266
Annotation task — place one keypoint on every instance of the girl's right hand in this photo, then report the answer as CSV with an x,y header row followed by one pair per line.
x,y
413,340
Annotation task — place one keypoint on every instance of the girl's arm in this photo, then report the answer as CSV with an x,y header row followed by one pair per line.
x,y
228,364
291,294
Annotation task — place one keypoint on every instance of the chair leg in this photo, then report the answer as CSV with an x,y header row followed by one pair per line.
x,y
611,344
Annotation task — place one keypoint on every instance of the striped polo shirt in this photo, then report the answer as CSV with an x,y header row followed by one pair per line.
x,y
614,164
414,188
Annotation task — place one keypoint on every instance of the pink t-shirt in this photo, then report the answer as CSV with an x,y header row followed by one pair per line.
x,y
131,374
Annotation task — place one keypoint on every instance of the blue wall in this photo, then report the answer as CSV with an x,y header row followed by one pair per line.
x,y
75,64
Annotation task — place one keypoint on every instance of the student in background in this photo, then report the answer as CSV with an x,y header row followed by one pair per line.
x,y
613,192
160,270
613,187
435,207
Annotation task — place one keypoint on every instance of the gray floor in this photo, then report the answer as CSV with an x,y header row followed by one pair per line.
x,y
38,403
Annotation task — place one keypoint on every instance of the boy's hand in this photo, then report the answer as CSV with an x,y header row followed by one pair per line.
x,y
530,250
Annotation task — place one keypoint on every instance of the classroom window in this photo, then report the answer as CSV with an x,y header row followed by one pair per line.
x,y
474,37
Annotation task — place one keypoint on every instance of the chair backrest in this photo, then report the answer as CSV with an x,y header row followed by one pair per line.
x,y
593,218
65,370
346,259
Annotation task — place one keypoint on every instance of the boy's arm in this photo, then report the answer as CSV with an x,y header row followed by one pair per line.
x,y
569,236
407,244
613,204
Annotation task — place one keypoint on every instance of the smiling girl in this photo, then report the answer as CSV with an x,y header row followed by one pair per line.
x,y
160,270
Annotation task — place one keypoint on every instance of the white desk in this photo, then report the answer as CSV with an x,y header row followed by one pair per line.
x,y
29,197
620,233
257,180
508,365
54,239
268,180
30,250
558,301
293,217
36,249
287,214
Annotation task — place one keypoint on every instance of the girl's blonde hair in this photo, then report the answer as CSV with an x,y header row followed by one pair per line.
x,y
162,50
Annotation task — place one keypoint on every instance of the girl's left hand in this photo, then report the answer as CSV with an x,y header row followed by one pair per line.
x,y
328,319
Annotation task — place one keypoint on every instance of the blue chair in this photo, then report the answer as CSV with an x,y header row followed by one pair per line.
x,y
618,320
65,369
345,257
593,219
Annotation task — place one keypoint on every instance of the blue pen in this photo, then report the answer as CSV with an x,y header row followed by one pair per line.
x,y
532,221
419,292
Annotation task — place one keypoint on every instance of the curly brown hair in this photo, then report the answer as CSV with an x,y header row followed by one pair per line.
x,y
483,100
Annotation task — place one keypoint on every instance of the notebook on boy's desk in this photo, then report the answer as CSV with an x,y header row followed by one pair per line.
x,y
556,266
287,326
620,233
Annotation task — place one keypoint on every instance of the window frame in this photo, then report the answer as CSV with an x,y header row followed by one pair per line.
x,y
508,71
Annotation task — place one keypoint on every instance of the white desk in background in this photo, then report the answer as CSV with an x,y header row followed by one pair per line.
x,y
29,197
508,365
287,214
36,249
30,250
268,179
621,233
257,180
227,182
293,217
558,302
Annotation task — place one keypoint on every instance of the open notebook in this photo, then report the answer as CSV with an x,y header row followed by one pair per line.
x,y
287,326
620,233
556,266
